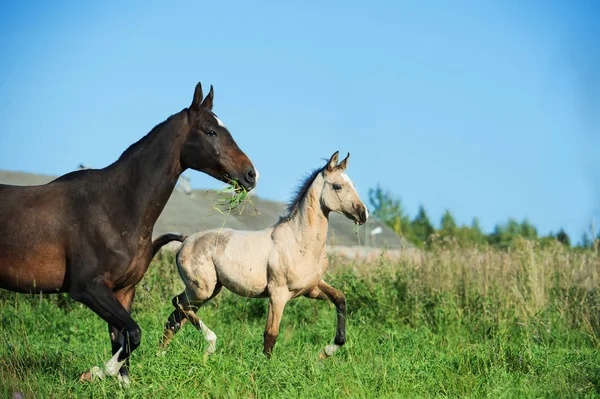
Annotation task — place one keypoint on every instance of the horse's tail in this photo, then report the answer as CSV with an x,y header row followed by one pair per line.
x,y
160,241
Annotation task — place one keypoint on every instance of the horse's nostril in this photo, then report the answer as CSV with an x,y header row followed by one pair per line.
x,y
251,175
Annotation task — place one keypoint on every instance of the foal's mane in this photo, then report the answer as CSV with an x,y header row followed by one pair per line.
x,y
299,194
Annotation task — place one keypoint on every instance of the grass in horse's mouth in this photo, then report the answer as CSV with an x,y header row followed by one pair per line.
x,y
232,196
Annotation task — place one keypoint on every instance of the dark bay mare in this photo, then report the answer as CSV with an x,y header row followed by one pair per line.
x,y
89,232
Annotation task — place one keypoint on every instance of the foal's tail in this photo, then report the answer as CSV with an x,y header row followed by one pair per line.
x,y
160,241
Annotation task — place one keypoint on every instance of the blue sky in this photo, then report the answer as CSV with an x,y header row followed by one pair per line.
x,y
486,109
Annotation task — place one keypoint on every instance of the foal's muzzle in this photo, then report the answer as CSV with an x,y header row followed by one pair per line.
x,y
361,213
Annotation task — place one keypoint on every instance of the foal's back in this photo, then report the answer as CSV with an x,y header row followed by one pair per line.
x,y
235,259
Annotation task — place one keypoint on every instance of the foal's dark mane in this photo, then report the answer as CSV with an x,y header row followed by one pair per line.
x,y
299,194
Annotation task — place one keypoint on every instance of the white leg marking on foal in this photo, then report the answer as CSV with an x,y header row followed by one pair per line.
x,y
330,349
113,366
210,337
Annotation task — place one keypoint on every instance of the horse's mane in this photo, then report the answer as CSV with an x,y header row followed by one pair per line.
x,y
299,194
141,142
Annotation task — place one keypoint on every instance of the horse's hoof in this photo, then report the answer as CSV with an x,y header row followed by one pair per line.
x,y
124,380
86,377
161,353
92,374
328,351
212,347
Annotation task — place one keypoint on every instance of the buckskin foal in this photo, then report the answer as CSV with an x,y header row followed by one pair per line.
x,y
281,262
89,232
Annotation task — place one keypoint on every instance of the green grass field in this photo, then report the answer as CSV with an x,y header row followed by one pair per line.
x,y
449,322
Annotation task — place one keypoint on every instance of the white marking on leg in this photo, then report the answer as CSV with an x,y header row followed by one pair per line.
x,y
330,349
210,337
96,372
124,380
113,366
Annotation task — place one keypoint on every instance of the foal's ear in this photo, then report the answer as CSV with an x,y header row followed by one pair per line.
x,y
198,96
208,101
344,163
333,161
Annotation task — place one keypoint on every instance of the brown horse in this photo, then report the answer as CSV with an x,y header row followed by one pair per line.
x,y
281,262
89,232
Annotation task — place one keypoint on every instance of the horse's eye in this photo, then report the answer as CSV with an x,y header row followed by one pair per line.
x,y
211,133
336,186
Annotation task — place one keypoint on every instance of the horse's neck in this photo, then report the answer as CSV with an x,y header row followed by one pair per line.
x,y
310,222
148,172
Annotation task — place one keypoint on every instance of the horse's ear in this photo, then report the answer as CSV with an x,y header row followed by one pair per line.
x,y
198,96
208,101
333,161
344,163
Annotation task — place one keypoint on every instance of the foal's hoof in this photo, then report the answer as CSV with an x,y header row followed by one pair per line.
x,y
161,353
328,351
212,347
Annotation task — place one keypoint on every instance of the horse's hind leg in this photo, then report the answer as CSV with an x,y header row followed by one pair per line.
x,y
324,291
174,323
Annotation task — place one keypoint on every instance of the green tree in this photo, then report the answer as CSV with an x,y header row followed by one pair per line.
x,y
527,230
586,241
475,235
448,224
421,227
563,237
389,210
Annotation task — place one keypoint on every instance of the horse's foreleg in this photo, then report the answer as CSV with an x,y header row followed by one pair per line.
x,y
324,291
103,302
277,302
125,298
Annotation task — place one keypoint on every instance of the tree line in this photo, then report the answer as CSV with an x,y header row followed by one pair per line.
x,y
421,232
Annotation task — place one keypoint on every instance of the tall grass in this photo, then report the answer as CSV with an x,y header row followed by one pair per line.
x,y
444,322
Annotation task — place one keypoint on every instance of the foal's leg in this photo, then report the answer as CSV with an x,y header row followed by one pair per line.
x,y
277,302
99,297
185,309
125,297
324,291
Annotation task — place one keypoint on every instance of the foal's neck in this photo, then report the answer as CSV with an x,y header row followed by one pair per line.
x,y
311,220
148,172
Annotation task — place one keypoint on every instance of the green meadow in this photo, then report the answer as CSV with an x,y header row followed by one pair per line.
x,y
446,322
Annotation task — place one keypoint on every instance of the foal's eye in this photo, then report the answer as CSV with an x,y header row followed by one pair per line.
x,y
336,186
211,133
